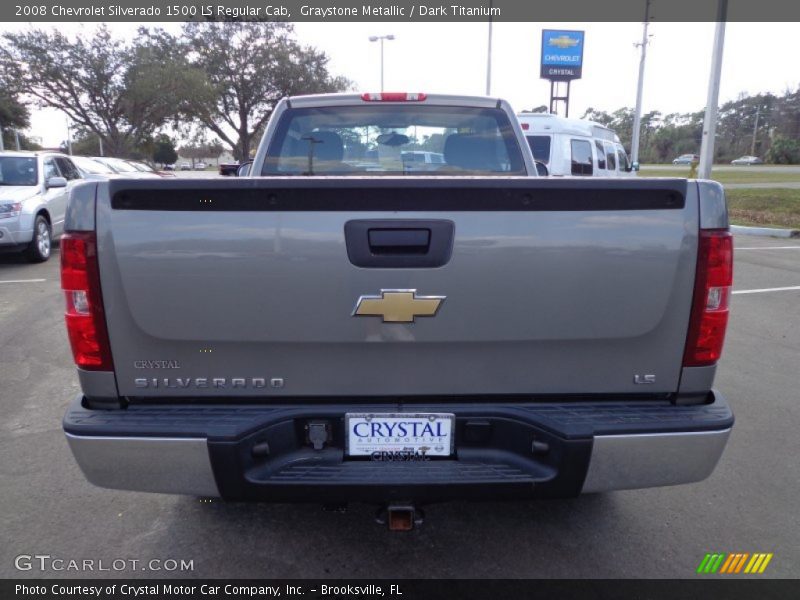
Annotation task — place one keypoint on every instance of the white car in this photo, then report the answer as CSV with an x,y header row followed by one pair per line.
x,y
686,159
747,160
33,201
93,169
124,168
200,166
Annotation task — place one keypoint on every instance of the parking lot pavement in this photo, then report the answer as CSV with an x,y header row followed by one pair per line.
x,y
748,505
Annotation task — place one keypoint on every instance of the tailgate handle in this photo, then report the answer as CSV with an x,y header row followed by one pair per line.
x,y
399,241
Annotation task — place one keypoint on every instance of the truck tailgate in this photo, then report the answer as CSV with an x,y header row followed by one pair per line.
x,y
248,287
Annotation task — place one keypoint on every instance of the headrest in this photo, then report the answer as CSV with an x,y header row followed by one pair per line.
x,y
329,145
471,151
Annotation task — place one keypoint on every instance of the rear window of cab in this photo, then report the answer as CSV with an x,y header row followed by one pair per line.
x,y
375,139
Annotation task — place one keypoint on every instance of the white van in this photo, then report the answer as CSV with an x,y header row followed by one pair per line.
x,y
575,146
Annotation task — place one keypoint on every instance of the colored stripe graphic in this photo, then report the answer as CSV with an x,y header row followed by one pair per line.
x,y
765,563
759,563
703,563
715,563
752,563
741,562
722,563
730,562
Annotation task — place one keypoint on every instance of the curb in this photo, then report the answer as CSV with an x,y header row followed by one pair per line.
x,y
768,231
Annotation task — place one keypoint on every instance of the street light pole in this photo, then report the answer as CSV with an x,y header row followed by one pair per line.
x,y
637,116
489,55
381,38
710,120
69,138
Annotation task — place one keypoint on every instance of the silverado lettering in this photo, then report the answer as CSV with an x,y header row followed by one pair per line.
x,y
206,382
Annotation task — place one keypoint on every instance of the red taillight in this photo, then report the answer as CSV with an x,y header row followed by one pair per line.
x,y
525,126
712,291
86,323
393,97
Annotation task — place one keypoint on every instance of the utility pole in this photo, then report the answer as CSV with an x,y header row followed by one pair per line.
x,y
100,139
637,116
710,120
69,138
755,131
1,138
489,54
16,139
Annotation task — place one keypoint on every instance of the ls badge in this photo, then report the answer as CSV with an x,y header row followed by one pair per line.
x,y
398,306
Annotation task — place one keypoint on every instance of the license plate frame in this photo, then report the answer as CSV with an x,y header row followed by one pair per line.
x,y
435,446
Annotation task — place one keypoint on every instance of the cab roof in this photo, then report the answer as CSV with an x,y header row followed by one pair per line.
x,y
343,99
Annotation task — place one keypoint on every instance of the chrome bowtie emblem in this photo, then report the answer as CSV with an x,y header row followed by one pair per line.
x,y
398,306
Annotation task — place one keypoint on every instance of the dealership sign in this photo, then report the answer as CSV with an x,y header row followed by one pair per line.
x,y
562,54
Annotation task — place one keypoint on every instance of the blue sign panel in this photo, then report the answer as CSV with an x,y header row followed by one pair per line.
x,y
562,54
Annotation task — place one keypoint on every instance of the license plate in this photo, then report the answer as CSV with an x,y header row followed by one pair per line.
x,y
400,434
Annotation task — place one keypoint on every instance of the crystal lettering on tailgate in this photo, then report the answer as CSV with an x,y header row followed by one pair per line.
x,y
156,364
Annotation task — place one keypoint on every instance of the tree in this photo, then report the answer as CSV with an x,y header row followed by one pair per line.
x,y
198,147
598,116
193,152
772,122
215,150
121,91
784,151
539,109
83,142
14,114
248,66
622,124
164,152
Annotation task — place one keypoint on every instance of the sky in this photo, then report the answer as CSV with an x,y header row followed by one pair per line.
x,y
452,58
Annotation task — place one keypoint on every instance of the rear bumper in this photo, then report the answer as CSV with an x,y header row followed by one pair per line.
x,y
519,451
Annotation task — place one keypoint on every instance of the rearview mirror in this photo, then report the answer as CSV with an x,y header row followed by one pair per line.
x,y
244,169
56,182
541,169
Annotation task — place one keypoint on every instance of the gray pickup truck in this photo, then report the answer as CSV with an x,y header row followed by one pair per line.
x,y
340,326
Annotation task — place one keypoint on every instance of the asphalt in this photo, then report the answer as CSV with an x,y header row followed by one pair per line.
x,y
749,504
